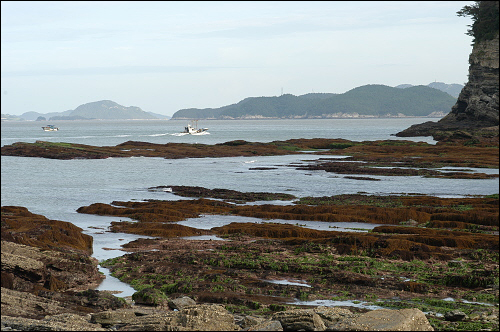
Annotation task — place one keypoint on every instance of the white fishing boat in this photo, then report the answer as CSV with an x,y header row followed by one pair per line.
x,y
50,128
194,130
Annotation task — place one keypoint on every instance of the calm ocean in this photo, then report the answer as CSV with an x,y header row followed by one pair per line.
x,y
56,188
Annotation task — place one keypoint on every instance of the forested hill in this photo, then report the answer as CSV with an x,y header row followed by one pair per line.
x,y
364,101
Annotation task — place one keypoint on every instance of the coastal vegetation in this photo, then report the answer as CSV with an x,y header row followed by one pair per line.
x,y
485,17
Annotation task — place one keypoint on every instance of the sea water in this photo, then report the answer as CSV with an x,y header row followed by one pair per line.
x,y
57,188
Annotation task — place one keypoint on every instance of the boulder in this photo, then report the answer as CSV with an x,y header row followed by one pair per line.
x,y
181,302
332,315
455,315
30,269
390,320
299,319
204,317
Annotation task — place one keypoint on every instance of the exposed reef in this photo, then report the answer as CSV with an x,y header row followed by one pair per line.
x,y
265,267
42,289
430,249
388,157
224,194
141,149
469,215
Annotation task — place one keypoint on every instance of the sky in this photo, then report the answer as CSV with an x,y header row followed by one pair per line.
x,y
163,56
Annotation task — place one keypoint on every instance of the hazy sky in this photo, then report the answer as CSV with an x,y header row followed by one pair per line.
x,y
166,56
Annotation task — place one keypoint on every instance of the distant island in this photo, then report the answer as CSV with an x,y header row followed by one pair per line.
x,y
364,101
433,100
103,110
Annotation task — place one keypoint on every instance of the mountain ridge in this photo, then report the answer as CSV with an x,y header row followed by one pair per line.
x,y
452,89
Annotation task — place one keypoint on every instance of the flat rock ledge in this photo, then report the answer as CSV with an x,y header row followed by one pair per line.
x,y
214,317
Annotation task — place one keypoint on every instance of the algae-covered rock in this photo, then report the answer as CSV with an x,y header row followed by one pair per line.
x,y
150,296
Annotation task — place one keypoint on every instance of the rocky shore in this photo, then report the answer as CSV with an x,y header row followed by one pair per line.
x,y
260,276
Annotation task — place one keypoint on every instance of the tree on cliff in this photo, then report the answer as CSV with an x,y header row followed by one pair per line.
x,y
485,23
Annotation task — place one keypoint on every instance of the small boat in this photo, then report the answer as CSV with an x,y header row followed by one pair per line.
x,y
194,130
50,128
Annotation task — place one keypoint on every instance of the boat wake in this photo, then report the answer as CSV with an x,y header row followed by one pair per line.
x,y
195,134
154,135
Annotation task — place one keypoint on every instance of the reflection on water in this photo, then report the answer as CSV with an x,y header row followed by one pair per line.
x,y
288,282
113,284
204,237
332,303
465,301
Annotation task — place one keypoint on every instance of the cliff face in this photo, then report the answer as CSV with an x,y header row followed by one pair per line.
x,y
478,102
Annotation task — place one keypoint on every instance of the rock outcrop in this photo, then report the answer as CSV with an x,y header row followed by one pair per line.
x,y
214,317
475,114
47,270
477,104
39,254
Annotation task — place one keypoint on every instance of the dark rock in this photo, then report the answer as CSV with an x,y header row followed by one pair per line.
x,y
455,315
